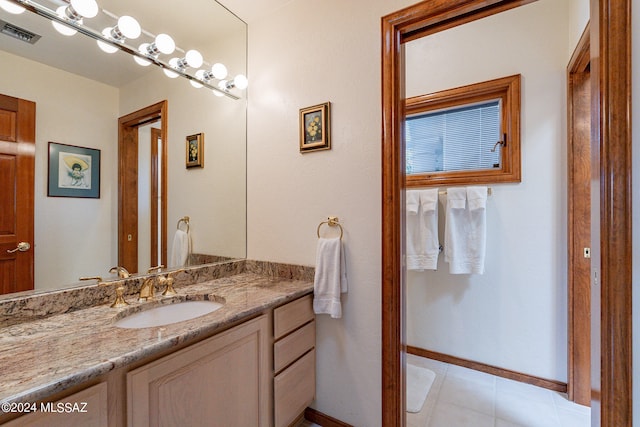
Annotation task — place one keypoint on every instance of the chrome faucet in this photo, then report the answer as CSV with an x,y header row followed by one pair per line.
x,y
121,271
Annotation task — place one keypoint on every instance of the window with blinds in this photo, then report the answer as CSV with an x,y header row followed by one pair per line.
x,y
461,138
465,135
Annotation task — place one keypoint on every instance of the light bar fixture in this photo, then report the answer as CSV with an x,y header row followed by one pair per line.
x,y
70,19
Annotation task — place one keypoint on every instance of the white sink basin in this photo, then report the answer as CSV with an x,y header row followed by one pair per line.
x,y
168,314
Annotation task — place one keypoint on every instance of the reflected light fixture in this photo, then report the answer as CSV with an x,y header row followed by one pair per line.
x,y
74,12
240,81
105,47
163,43
10,7
143,50
126,28
192,59
69,18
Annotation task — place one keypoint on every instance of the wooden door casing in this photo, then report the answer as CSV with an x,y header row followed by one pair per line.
x,y
579,222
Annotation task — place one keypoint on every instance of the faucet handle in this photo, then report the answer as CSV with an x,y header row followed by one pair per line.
x,y
156,268
120,301
169,291
121,271
98,278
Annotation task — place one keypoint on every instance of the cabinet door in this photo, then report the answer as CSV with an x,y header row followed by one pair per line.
x,y
220,382
86,408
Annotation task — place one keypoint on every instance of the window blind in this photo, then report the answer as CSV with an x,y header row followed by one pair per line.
x,y
460,138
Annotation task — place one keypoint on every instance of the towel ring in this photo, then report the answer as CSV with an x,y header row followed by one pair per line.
x,y
184,219
332,221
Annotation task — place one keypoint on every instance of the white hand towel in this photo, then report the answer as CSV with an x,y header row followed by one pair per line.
x,y
413,201
455,230
330,277
465,230
179,249
477,240
422,230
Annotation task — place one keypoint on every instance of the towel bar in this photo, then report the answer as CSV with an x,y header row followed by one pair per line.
x,y
332,221
184,219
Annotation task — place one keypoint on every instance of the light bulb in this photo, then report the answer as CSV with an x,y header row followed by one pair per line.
x,y
199,75
12,8
143,50
193,58
241,82
173,62
219,71
104,46
127,27
222,85
165,44
217,93
86,8
61,28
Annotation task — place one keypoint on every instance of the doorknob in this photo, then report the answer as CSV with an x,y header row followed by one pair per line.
x,y
22,247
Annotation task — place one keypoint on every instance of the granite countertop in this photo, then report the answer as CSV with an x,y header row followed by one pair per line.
x,y
45,356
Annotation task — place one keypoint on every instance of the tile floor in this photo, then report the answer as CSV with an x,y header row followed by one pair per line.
x,y
461,397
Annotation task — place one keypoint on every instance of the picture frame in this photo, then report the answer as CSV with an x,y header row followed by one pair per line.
x,y
315,129
73,171
195,151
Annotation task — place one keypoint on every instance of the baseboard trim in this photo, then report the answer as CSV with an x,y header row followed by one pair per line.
x,y
493,370
323,420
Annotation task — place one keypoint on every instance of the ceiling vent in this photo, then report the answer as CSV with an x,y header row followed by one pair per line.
x,y
18,33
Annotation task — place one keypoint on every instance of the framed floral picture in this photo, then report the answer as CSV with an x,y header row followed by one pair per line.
x,y
73,171
315,128
195,151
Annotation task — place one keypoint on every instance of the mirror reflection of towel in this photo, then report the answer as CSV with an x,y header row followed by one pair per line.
x,y
330,278
180,249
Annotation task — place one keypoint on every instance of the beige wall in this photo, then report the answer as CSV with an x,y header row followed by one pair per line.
x,y
78,234
306,53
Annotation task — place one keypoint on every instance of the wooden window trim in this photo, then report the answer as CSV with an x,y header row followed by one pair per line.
x,y
507,89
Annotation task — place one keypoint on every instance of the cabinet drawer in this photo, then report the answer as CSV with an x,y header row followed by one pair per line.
x,y
293,346
291,316
294,389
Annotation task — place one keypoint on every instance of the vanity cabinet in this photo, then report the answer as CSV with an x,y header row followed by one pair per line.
x,y
294,360
87,408
222,381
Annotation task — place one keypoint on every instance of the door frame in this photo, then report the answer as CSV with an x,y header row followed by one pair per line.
x,y
610,56
128,182
579,223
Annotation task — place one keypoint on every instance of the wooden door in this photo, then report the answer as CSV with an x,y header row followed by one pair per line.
x,y
579,222
17,165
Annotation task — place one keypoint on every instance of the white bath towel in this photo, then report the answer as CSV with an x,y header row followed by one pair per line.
x,y
465,230
180,249
330,277
422,229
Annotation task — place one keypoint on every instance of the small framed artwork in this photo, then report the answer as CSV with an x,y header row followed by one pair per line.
x,y
315,128
195,151
73,171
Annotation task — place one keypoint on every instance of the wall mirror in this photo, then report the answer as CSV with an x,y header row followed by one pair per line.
x,y
81,91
